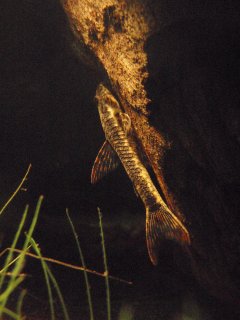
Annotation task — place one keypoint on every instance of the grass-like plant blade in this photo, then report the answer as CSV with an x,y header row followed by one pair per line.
x,y
20,303
88,290
12,284
10,288
52,278
16,191
15,280
15,240
20,261
14,243
13,260
59,293
33,223
49,288
105,266
10,313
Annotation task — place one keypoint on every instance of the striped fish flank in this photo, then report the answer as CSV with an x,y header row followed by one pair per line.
x,y
161,223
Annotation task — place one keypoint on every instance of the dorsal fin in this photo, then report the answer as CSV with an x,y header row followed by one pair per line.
x,y
106,161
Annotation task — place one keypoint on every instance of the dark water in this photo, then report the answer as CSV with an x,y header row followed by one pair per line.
x,y
49,118
167,291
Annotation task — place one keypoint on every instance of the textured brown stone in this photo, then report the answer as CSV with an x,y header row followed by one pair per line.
x,y
167,65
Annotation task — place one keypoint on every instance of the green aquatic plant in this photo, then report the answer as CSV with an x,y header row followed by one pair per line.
x,y
13,266
49,276
12,275
108,299
88,288
17,264
19,187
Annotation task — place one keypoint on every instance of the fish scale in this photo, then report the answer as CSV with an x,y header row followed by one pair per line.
x,y
161,223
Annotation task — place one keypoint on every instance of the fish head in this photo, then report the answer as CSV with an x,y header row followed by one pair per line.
x,y
106,101
110,112
109,108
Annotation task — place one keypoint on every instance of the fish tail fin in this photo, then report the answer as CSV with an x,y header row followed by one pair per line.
x,y
162,224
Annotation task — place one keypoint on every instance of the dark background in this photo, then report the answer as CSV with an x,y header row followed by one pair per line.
x,y
49,119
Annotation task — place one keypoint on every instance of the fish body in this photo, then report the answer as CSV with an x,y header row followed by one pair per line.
x,y
160,221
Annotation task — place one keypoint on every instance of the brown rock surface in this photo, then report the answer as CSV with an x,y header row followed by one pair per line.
x,y
174,69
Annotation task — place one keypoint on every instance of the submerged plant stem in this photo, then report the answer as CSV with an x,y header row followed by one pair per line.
x,y
17,190
88,288
105,267
10,313
45,271
71,266
20,303
15,280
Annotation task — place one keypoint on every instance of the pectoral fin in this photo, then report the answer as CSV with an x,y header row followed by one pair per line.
x,y
106,161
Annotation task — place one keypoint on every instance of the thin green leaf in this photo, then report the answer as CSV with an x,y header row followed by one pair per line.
x,y
20,303
57,288
44,267
16,191
9,313
15,240
10,288
88,290
105,267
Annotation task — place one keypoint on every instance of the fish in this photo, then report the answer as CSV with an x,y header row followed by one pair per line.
x,y
161,222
